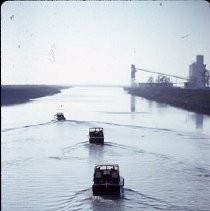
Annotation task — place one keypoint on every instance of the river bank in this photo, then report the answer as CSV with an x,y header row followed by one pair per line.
x,y
16,94
189,99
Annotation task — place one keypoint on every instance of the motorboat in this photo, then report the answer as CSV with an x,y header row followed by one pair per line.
x,y
107,180
96,135
59,116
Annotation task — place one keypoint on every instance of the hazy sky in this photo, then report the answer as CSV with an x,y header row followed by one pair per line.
x,y
85,42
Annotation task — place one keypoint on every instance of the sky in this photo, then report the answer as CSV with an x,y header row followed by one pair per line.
x,y
95,42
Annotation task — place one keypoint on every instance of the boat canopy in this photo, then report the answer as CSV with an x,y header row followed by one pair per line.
x,y
107,166
95,129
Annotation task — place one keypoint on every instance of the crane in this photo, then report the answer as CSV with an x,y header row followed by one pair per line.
x,y
134,70
149,71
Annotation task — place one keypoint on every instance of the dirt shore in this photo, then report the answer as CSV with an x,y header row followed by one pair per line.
x,y
16,94
189,99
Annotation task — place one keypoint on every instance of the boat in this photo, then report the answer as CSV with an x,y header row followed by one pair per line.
x,y
96,135
60,116
107,180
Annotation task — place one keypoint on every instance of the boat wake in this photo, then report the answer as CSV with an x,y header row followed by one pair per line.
x,y
28,126
114,112
97,151
97,123
143,201
69,152
129,200
79,200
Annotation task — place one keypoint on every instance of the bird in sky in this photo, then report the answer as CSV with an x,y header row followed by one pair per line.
x,y
185,36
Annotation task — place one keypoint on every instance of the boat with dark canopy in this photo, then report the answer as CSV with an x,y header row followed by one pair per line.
x,y
96,135
60,116
107,180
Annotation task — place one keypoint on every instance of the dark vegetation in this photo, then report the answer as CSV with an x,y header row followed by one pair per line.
x,y
189,99
15,94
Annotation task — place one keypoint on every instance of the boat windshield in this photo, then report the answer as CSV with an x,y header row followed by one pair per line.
x,y
95,129
107,167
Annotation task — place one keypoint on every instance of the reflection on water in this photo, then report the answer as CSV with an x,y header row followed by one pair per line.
x,y
150,104
161,105
96,152
196,120
199,120
101,203
133,103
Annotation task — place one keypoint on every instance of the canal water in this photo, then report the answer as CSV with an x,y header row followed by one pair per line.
x,y
163,153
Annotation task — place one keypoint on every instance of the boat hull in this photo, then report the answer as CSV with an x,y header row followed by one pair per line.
x,y
103,189
96,140
108,188
61,119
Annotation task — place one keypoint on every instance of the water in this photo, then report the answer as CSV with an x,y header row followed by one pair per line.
x,y
163,153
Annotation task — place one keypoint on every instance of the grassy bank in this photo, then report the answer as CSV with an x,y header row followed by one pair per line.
x,y
15,94
189,99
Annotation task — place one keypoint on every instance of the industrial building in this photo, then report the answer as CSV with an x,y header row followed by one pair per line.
x,y
198,74
199,77
192,95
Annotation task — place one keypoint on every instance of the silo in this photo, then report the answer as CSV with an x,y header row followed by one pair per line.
x,y
199,59
199,72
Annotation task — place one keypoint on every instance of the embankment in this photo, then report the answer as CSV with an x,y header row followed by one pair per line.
x,y
16,94
189,99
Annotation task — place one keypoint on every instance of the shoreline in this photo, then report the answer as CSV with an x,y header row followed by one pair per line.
x,y
18,94
188,99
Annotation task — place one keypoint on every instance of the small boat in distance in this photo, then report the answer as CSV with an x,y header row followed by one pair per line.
x,y
107,180
96,135
59,116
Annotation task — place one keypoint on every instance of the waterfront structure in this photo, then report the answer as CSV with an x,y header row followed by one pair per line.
x,y
198,74
199,77
133,75
155,85
163,79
